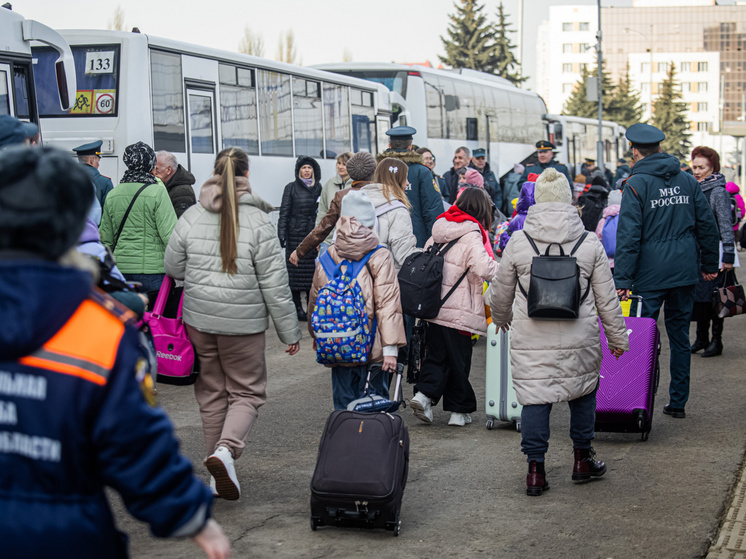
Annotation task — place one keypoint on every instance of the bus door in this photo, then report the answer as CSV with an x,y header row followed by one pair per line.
x,y
493,147
6,91
383,124
202,132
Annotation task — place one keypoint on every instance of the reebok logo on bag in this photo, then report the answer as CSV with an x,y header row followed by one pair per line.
x,y
421,281
339,320
554,286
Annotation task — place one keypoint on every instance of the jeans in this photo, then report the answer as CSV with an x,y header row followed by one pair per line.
x,y
679,302
348,384
535,426
150,282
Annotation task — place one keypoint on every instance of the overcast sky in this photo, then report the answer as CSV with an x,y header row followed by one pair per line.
x,y
377,31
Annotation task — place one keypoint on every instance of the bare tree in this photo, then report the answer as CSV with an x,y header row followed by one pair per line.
x,y
251,44
346,55
117,22
287,50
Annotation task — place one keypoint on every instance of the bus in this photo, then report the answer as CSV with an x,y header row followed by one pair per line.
x,y
576,139
463,107
194,101
18,95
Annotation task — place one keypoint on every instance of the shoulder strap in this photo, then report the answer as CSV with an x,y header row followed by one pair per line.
x,y
357,266
387,207
328,264
440,250
580,242
126,214
533,244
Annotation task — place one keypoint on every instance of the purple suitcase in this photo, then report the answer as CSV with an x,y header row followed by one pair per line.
x,y
626,392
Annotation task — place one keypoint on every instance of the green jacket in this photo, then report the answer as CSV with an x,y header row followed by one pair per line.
x,y
143,241
664,223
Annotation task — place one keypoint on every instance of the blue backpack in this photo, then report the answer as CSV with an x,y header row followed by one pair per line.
x,y
608,235
339,320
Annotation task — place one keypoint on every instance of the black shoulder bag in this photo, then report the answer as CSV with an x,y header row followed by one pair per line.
x,y
554,288
126,214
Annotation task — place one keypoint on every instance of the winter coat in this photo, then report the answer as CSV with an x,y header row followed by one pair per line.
x,y
609,212
663,216
297,219
180,190
329,190
525,201
84,423
464,309
622,172
426,201
380,290
539,168
556,361
491,184
101,183
216,302
450,178
592,204
144,237
394,228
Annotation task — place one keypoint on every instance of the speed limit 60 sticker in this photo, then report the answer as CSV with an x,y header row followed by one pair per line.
x,y
105,101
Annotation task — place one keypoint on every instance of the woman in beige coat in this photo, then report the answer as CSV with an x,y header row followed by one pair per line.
x,y
226,251
557,361
445,370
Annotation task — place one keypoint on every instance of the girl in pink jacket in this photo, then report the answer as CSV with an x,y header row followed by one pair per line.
x,y
445,370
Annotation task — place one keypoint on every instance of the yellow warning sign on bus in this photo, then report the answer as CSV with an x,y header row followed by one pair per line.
x,y
83,102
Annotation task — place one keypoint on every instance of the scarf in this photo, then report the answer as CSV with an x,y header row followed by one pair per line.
x,y
459,216
715,179
140,160
307,182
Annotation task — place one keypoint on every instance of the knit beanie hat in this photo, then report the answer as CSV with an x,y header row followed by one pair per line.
x,y
552,186
357,204
361,166
474,177
44,198
615,197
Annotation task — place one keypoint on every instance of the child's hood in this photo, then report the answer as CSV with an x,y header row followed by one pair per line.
x,y
354,240
445,231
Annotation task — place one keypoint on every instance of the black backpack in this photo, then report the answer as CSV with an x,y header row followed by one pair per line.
x,y
421,281
554,287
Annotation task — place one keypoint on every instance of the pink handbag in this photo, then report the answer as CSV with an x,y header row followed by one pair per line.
x,y
173,349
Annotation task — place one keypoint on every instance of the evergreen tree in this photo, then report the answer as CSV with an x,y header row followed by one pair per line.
x,y
626,107
505,62
669,114
470,42
577,105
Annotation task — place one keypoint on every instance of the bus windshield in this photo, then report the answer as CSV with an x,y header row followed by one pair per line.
x,y
97,73
394,81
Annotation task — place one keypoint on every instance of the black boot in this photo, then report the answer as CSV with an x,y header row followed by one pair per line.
x,y
302,316
703,335
536,479
716,345
586,465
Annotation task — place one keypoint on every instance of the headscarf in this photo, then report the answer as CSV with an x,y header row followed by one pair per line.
x,y
140,160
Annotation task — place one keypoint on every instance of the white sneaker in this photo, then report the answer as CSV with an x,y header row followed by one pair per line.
x,y
459,419
213,488
422,407
220,465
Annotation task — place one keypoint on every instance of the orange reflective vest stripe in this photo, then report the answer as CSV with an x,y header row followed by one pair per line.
x,y
85,347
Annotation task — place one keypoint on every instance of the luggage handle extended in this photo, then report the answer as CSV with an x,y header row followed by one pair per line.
x,y
638,299
397,386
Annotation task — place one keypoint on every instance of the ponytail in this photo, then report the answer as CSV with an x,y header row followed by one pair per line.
x,y
229,163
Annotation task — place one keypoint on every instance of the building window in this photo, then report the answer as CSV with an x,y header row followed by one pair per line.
x,y
584,26
645,87
686,87
567,48
567,26
567,68
703,126
702,87
645,68
583,47
686,66
701,107
662,67
583,67
701,66
567,87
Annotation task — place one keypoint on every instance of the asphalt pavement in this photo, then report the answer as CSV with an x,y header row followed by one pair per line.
x,y
663,498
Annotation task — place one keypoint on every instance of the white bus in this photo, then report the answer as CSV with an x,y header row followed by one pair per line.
x,y
17,93
452,108
194,101
576,138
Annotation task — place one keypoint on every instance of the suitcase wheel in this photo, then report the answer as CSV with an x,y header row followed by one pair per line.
x,y
490,424
645,435
315,523
394,526
518,425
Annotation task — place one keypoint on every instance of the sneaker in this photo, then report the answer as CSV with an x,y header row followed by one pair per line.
x,y
220,465
422,407
459,419
213,488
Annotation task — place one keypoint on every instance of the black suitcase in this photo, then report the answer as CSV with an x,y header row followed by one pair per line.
x,y
361,471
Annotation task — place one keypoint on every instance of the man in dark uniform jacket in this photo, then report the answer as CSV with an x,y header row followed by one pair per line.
x,y
426,202
491,184
665,226
546,159
90,156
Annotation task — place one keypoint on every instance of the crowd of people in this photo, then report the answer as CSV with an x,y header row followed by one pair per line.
x,y
667,235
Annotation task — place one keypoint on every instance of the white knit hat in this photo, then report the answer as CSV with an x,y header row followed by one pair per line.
x,y
615,197
357,204
552,186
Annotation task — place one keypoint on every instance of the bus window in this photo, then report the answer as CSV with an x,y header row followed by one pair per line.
x,y
275,119
169,132
201,122
393,81
97,76
435,106
307,117
337,119
238,108
363,116
4,93
21,92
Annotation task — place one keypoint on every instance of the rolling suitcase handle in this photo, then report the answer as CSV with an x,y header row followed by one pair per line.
x,y
374,403
638,299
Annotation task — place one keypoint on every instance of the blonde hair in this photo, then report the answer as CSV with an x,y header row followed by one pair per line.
x,y
231,162
392,175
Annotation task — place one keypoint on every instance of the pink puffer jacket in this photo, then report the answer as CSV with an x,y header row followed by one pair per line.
x,y
464,310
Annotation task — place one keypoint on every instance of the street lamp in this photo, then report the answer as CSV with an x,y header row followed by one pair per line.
x,y
650,69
